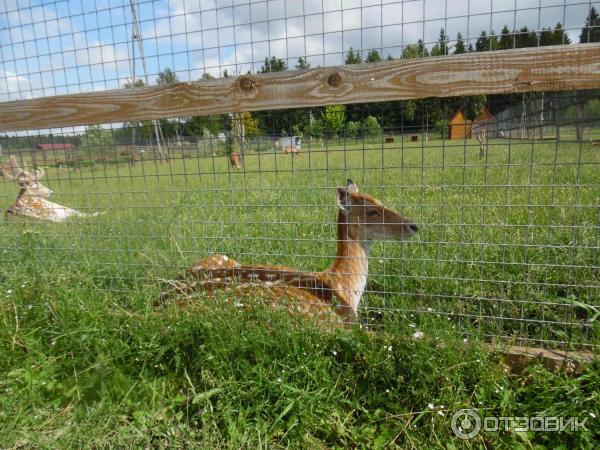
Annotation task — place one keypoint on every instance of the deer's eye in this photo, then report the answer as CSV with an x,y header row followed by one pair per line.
x,y
372,212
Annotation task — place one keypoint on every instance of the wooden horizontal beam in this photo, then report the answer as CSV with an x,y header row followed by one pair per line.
x,y
568,67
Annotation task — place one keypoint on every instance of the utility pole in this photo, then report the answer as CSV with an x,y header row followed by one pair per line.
x,y
136,36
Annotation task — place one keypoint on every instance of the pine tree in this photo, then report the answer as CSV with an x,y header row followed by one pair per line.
x,y
411,52
526,38
482,42
373,56
273,65
302,64
560,36
556,36
506,40
460,45
353,57
591,30
167,76
441,47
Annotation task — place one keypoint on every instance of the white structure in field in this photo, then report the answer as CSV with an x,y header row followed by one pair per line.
x,y
293,142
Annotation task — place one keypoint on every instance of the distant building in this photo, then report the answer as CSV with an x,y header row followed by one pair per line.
x,y
47,147
461,128
290,142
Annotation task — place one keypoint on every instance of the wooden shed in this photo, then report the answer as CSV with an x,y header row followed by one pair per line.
x,y
461,128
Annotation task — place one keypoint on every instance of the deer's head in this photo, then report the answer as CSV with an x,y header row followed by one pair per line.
x,y
370,217
28,182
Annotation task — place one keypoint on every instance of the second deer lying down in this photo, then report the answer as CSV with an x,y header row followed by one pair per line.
x,y
362,219
31,200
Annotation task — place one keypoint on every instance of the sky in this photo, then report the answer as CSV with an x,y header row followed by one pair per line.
x,y
59,47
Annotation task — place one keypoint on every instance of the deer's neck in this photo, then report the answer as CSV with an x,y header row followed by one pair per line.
x,y
351,265
23,194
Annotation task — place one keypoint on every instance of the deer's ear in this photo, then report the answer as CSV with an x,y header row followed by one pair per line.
x,y
351,186
15,168
343,199
12,171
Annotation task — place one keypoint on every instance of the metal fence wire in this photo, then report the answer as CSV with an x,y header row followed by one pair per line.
x,y
504,188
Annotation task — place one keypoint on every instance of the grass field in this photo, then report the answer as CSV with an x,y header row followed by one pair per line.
x,y
507,250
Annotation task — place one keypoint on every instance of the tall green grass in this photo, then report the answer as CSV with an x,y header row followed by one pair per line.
x,y
82,368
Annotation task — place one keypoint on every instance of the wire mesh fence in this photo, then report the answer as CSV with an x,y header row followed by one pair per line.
x,y
504,189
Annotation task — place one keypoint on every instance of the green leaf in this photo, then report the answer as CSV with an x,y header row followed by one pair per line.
x,y
205,395
283,413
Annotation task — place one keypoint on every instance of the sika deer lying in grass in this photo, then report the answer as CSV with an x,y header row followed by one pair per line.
x,y
31,201
362,219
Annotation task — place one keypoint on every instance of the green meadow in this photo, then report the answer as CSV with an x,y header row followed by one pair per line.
x,y
507,252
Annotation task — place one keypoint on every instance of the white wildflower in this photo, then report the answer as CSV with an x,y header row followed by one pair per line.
x,y
279,380
592,415
9,291
417,335
412,325
334,353
430,405
441,413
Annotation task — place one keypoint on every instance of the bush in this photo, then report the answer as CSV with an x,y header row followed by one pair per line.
x,y
371,127
353,129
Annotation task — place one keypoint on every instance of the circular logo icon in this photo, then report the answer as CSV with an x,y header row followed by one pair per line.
x,y
466,423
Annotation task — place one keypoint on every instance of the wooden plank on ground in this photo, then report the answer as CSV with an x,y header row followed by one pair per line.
x,y
568,67
516,358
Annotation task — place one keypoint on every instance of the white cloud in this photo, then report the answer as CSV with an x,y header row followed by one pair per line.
x,y
50,43
12,85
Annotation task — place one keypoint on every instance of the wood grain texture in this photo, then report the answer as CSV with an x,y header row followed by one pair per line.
x,y
516,359
545,69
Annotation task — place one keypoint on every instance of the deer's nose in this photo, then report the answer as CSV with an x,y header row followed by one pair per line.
x,y
413,228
